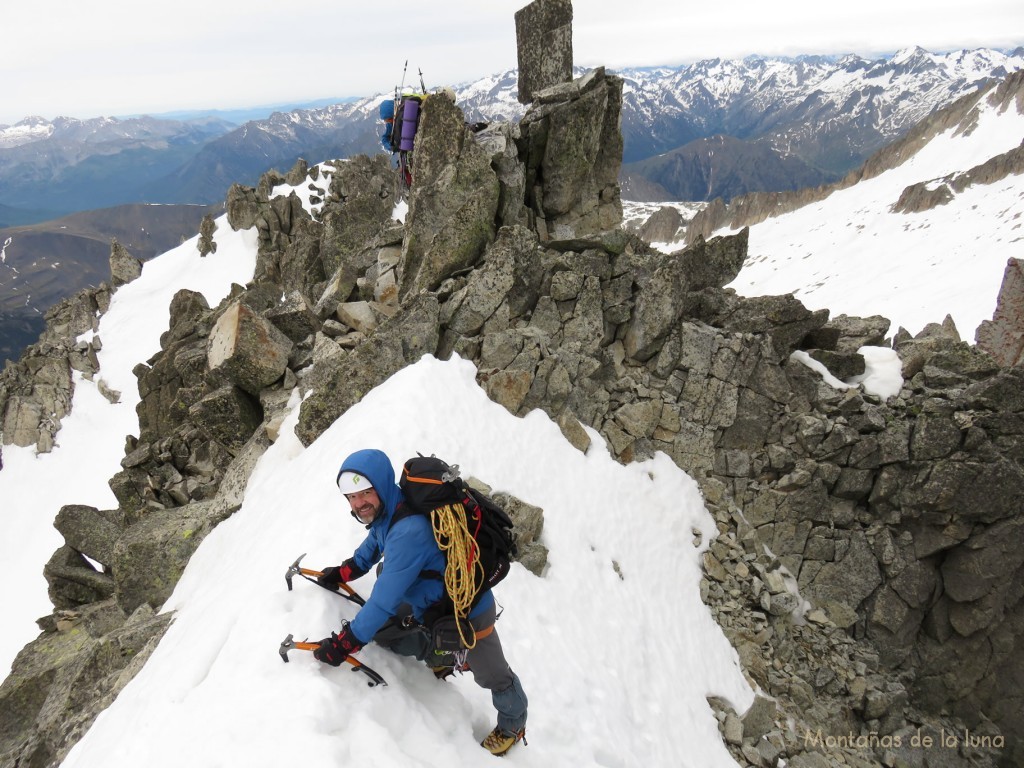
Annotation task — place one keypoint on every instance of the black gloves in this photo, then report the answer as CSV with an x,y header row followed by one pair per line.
x,y
330,577
336,574
335,649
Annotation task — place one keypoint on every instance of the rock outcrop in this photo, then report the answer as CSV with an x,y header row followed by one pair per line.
x,y
1003,336
662,226
36,391
452,206
571,149
544,46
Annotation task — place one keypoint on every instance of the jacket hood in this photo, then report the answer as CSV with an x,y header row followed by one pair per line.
x,y
376,467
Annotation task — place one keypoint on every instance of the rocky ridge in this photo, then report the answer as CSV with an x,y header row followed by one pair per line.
x,y
867,567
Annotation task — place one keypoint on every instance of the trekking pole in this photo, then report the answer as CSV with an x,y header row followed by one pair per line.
x,y
423,88
310,575
404,68
289,644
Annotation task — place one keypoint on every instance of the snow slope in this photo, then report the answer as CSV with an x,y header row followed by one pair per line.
x,y
851,254
614,647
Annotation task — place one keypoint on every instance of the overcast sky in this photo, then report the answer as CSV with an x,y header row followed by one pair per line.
x,y
113,57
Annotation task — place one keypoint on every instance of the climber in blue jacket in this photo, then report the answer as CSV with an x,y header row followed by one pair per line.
x,y
409,582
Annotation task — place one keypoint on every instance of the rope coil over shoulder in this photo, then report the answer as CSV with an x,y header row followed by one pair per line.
x,y
473,533
463,573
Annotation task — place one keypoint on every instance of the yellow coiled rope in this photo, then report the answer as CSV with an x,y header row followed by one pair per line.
x,y
463,572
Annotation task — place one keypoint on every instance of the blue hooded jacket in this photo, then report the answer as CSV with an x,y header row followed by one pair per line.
x,y
409,547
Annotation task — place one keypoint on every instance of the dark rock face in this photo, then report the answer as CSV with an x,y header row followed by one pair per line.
x,y
36,391
572,151
453,203
1003,335
123,267
662,226
544,46
207,227
247,349
88,659
343,380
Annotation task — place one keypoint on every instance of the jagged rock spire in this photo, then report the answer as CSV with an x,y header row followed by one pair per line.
x,y
544,38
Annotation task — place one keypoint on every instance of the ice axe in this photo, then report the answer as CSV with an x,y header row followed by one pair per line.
x,y
310,575
289,644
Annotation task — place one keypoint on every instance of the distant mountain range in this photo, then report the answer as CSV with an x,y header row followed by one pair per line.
x,y
820,117
69,165
716,166
243,114
51,168
811,119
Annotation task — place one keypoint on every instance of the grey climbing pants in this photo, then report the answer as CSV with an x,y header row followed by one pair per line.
x,y
486,661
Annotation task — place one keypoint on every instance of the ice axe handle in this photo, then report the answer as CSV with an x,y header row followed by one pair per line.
x,y
375,679
357,666
352,595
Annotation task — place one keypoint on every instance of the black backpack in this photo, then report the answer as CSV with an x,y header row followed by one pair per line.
x,y
469,528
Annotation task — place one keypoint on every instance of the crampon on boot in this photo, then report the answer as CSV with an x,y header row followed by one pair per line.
x,y
444,671
498,742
